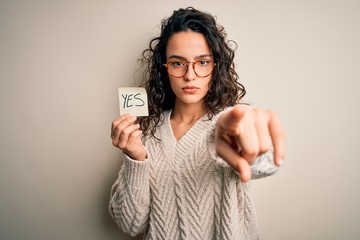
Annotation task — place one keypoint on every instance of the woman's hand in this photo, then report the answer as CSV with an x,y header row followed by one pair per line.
x,y
126,135
243,133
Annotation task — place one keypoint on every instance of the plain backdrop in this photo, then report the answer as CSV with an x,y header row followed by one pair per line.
x,y
61,63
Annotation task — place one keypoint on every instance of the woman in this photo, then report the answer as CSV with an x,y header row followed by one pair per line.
x,y
187,166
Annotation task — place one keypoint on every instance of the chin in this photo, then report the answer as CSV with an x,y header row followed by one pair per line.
x,y
191,100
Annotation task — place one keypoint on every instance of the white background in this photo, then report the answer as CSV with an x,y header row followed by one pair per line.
x,y
61,63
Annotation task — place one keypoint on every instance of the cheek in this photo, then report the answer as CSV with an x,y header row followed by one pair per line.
x,y
173,84
207,84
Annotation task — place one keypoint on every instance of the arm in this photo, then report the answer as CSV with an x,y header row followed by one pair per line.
x,y
130,197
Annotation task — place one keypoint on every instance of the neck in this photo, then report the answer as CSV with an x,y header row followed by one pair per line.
x,y
187,113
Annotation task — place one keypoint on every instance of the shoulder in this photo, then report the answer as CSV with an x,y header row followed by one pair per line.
x,y
165,116
160,127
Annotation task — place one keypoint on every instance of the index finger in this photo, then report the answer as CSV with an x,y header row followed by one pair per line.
x,y
236,161
230,122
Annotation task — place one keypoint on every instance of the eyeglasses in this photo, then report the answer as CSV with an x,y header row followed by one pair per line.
x,y
178,68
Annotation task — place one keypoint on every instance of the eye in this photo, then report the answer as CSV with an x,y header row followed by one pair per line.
x,y
203,62
177,64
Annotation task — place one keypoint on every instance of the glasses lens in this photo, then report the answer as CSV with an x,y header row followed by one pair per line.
x,y
177,68
203,68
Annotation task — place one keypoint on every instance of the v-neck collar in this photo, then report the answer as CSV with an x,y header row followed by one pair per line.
x,y
168,139
196,124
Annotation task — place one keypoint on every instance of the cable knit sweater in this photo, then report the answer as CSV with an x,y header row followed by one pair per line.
x,y
184,191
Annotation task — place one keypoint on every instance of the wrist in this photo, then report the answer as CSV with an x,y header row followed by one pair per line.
x,y
140,155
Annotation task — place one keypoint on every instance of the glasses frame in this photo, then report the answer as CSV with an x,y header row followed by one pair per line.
x,y
187,67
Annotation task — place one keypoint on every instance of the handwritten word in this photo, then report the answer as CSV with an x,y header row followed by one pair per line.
x,y
131,100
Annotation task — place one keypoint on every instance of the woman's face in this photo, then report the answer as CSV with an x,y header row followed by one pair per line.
x,y
184,47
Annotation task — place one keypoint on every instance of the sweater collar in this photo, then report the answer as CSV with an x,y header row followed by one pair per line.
x,y
168,139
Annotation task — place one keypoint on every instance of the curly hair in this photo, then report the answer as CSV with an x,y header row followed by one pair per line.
x,y
224,89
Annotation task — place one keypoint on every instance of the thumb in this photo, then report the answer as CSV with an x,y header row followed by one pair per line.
x,y
235,160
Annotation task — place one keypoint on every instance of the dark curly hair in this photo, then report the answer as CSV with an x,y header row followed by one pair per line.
x,y
224,89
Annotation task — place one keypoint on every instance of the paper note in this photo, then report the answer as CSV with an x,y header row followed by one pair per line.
x,y
133,100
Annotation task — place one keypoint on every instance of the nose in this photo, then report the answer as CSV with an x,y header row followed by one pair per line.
x,y
190,73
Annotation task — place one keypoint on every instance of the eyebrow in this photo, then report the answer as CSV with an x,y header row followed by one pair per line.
x,y
183,58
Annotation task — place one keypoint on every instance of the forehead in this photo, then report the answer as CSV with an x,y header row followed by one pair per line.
x,y
187,44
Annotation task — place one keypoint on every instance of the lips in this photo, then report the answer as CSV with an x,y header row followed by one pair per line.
x,y
190,89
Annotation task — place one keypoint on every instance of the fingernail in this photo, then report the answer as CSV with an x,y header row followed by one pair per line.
x,y
280,162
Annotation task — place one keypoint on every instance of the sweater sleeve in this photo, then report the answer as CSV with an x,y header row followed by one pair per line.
x,y
130,196
263,165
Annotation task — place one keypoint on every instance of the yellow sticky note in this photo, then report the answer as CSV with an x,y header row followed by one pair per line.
x,y
133,100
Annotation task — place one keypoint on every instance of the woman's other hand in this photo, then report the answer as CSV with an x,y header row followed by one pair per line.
x,y
244,133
